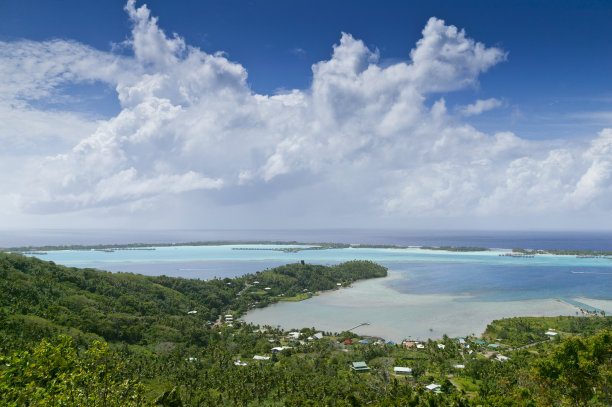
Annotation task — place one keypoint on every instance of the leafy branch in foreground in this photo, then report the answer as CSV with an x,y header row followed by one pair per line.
x,y
54,373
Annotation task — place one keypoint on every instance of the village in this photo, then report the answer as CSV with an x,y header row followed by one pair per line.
x,y
436,366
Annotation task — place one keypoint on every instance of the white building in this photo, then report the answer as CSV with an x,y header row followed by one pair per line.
x,y
402,370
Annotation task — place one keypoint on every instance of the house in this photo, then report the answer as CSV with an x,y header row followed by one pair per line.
x,y
318,335
192,312
551,333
459,366
501,358
402,370
360,367
348,341
432,386
420,346
239,363
461,340
257,357
365,341
480,342
408,345
441,346
294,334
389,342
280,348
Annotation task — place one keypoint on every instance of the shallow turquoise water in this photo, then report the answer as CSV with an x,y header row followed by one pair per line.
x,y
482,275
430,292
227,253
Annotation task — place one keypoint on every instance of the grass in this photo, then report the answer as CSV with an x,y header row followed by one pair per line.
x,y
466,384
299,297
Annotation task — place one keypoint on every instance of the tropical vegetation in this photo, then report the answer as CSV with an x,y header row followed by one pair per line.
x,y
84,337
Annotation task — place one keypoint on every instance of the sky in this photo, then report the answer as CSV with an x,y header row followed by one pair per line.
x,y
318,114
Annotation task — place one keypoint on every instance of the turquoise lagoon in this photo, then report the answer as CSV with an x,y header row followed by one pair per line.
x,y
427,294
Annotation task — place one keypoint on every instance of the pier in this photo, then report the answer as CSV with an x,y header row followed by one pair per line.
x,y
582,306
361,324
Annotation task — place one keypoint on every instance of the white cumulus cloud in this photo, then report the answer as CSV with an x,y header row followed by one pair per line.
x,y
480,106
365,139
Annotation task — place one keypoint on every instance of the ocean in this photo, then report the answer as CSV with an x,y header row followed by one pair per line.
x,y
428,293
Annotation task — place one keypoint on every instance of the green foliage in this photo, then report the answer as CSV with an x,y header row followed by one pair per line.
x,y
294,279
525,330
577,371
54,374
40,299
54,321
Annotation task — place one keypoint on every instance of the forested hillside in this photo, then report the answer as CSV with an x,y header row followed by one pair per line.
x,y
74,337
41,298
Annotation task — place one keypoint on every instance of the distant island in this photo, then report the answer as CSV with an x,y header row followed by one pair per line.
x,y
303,246
152,246
558,252
295,246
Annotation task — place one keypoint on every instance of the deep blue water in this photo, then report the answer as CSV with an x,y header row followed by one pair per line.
x,y
505,282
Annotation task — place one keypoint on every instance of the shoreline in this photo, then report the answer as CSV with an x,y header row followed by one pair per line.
x,y
391,314
399,316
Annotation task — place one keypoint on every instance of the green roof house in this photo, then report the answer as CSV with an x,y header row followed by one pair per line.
x,y
360,367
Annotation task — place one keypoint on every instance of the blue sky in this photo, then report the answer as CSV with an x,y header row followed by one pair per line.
x,y
540,100
559,62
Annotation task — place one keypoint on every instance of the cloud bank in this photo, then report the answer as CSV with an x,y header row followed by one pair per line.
x,y
365,141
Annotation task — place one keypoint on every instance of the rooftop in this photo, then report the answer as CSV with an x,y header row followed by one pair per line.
x,y
360,366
